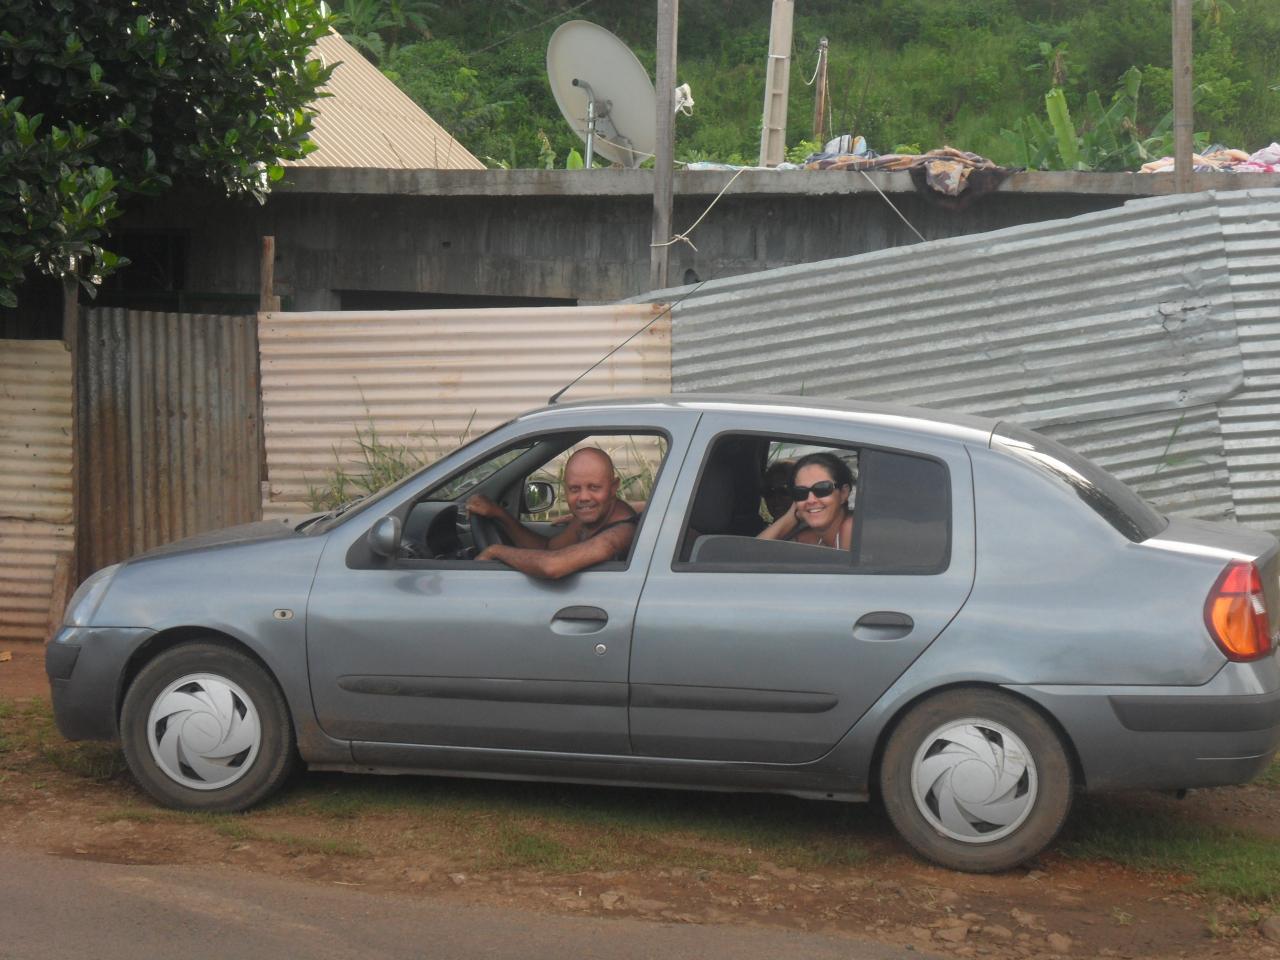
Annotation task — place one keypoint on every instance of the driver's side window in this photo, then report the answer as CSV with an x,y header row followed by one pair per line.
x,y
636,460
527,481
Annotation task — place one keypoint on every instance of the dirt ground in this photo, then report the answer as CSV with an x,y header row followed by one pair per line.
x,y
1056,906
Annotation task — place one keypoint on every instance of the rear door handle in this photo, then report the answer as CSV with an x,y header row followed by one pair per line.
x,y
882,625
577,621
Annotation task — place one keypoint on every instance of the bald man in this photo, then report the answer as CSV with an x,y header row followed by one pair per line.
x,y
601,527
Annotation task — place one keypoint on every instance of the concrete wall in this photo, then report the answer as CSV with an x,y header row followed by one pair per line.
x,y
575,236
578,249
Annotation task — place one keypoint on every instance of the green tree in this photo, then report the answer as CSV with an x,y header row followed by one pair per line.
x,y
102,99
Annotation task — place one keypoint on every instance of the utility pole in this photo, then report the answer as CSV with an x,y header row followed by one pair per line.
x,y
1183,118
820,92
664,142
777,81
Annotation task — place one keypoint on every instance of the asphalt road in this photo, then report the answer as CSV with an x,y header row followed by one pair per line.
x,y
52,907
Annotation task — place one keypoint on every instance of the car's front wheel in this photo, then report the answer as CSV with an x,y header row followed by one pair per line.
x,y
976,780
204,727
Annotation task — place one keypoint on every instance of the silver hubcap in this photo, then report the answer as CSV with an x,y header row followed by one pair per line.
x,y
204,731
974,780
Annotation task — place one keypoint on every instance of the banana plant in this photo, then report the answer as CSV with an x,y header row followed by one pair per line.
x,y
1108,138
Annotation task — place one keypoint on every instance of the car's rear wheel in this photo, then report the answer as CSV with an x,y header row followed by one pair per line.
x,y
204,727
976,780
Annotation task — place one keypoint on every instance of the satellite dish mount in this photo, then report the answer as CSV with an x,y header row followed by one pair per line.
x,y
621,109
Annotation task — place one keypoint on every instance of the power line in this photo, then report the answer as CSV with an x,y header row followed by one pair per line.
x,y
556,16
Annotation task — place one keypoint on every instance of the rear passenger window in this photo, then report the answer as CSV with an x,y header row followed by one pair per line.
x,y
793,505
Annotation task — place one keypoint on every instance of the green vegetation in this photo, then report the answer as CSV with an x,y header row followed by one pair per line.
x,y
379,462
29,739
902,72
1228,863
1271,776
106,99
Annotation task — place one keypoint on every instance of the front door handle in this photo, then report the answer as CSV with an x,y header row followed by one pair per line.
x,y
577,621
883,625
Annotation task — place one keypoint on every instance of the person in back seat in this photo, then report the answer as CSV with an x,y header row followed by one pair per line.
x,y
777,488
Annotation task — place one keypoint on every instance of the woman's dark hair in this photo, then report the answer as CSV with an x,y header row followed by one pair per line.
x,y
837,468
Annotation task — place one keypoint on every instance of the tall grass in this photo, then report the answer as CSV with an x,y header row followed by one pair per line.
x,y
379,462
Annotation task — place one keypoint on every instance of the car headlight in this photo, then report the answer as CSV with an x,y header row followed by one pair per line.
x,y
85,601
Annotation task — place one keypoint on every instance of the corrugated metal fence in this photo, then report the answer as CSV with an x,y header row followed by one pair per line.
x,y
168,407
36,523
425,380
1147,337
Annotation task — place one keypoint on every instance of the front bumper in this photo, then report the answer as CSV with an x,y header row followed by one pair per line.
x,y
87,668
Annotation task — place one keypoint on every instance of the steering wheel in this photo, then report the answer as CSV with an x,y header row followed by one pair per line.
x,y
485,532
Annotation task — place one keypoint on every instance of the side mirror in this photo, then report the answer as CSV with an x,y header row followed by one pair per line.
x,y
384,538
539,497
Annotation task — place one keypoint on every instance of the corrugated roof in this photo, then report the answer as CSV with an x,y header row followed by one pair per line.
x,y
370,122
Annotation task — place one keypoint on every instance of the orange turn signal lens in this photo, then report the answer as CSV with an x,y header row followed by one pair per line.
x,y
1236,613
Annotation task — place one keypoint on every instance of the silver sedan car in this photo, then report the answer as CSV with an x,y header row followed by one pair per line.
x,y
1003,624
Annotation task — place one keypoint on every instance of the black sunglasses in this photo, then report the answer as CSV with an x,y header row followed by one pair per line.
x,y
822,489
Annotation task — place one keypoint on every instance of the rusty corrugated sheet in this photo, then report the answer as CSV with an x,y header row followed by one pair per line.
x,y
35,480
1147,337
369,122
169,429
426,379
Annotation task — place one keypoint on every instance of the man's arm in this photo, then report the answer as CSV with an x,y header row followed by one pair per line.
x,y
556,563
481,506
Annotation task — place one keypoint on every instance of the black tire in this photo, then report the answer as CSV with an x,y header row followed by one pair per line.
x,y
976,780
204,727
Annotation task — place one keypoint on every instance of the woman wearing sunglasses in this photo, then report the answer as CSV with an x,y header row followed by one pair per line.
x,y
820,487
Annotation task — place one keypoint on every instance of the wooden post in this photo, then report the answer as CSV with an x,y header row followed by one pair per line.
x,y
777,81
664,148
820,92
1183,116
267,300
64,584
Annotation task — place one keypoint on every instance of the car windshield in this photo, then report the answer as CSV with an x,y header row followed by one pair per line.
x,y
1107,496
358,505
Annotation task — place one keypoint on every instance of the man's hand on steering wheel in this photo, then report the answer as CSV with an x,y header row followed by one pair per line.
x,y
486,527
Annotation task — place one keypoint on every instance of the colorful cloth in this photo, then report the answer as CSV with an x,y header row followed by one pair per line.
x,y
1224,160
946,171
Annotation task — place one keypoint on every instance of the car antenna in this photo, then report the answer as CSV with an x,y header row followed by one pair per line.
x,y
671,306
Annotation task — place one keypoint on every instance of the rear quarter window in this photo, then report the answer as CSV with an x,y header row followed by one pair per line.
x,y
1104,494
905,514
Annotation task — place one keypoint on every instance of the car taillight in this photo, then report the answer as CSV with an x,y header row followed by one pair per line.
x,y
1236,613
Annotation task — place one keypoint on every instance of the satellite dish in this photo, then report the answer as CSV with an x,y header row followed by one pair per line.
x,y
603,92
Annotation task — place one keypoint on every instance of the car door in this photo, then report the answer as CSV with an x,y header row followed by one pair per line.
x,y
740,658
454,653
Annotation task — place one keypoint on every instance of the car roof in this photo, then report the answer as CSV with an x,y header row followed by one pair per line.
x,y
942,423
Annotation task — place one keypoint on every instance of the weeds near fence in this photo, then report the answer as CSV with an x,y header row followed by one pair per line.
x,y
379,462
